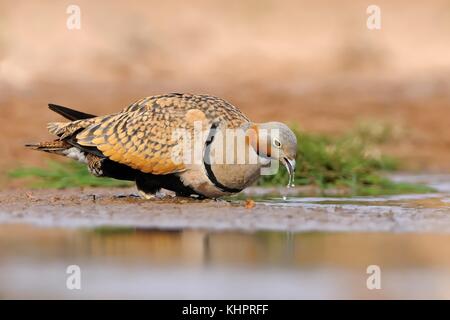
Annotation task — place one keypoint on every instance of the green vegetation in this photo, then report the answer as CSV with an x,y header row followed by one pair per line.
x,y
351,162
61,175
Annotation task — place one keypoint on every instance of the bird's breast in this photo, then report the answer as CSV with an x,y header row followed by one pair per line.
x,y
224,169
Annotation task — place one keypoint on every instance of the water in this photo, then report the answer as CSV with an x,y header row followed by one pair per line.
x,y
143,263
290,184
440,182
291,180
310,247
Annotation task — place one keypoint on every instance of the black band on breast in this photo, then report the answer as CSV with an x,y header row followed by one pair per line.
x,y
207,162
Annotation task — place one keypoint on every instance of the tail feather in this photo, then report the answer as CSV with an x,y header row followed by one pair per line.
x,y
56,146
57,128
69,113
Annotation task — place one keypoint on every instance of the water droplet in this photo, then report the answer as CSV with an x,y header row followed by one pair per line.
x,y
289,185
291,181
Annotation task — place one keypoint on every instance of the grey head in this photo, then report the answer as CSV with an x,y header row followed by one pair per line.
x,y
277,141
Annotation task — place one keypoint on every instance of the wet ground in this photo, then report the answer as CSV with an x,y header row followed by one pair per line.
x,y
86,208
301,247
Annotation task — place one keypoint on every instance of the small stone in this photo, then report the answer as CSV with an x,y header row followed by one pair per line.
x,y
249,204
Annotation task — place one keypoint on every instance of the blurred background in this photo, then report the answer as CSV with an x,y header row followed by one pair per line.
x,y
312,63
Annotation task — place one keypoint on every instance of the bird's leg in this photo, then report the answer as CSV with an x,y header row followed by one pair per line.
x,y
147,189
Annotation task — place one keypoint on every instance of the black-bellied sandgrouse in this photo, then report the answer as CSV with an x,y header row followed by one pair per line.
x,y
194,145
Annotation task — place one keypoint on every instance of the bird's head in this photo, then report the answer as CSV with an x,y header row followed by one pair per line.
x,y
276,141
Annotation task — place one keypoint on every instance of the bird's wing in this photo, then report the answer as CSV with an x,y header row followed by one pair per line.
x,y
143,136
136,139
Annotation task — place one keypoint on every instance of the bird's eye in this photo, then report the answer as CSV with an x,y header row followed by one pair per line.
x,y
276,143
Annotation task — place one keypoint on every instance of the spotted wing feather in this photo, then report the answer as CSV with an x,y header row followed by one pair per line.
x,y
142,135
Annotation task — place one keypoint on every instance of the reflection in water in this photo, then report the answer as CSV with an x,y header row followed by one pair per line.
x,y
415,201
120,262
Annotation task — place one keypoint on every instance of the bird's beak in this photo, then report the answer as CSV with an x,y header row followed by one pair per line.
x,y
289,164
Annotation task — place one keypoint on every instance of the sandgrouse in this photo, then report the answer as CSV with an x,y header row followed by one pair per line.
x,y
185,143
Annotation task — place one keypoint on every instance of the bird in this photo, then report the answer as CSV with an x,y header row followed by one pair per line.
x,y
175,141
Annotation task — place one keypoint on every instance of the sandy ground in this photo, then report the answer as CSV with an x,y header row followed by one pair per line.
x,y
115,207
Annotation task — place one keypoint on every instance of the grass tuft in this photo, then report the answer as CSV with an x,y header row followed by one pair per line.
x,y
352,162
60,175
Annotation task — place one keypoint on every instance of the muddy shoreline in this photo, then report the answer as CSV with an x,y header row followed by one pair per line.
x,y
87,208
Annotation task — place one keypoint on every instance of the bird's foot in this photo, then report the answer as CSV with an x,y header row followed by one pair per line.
x,y
152,196
147,196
